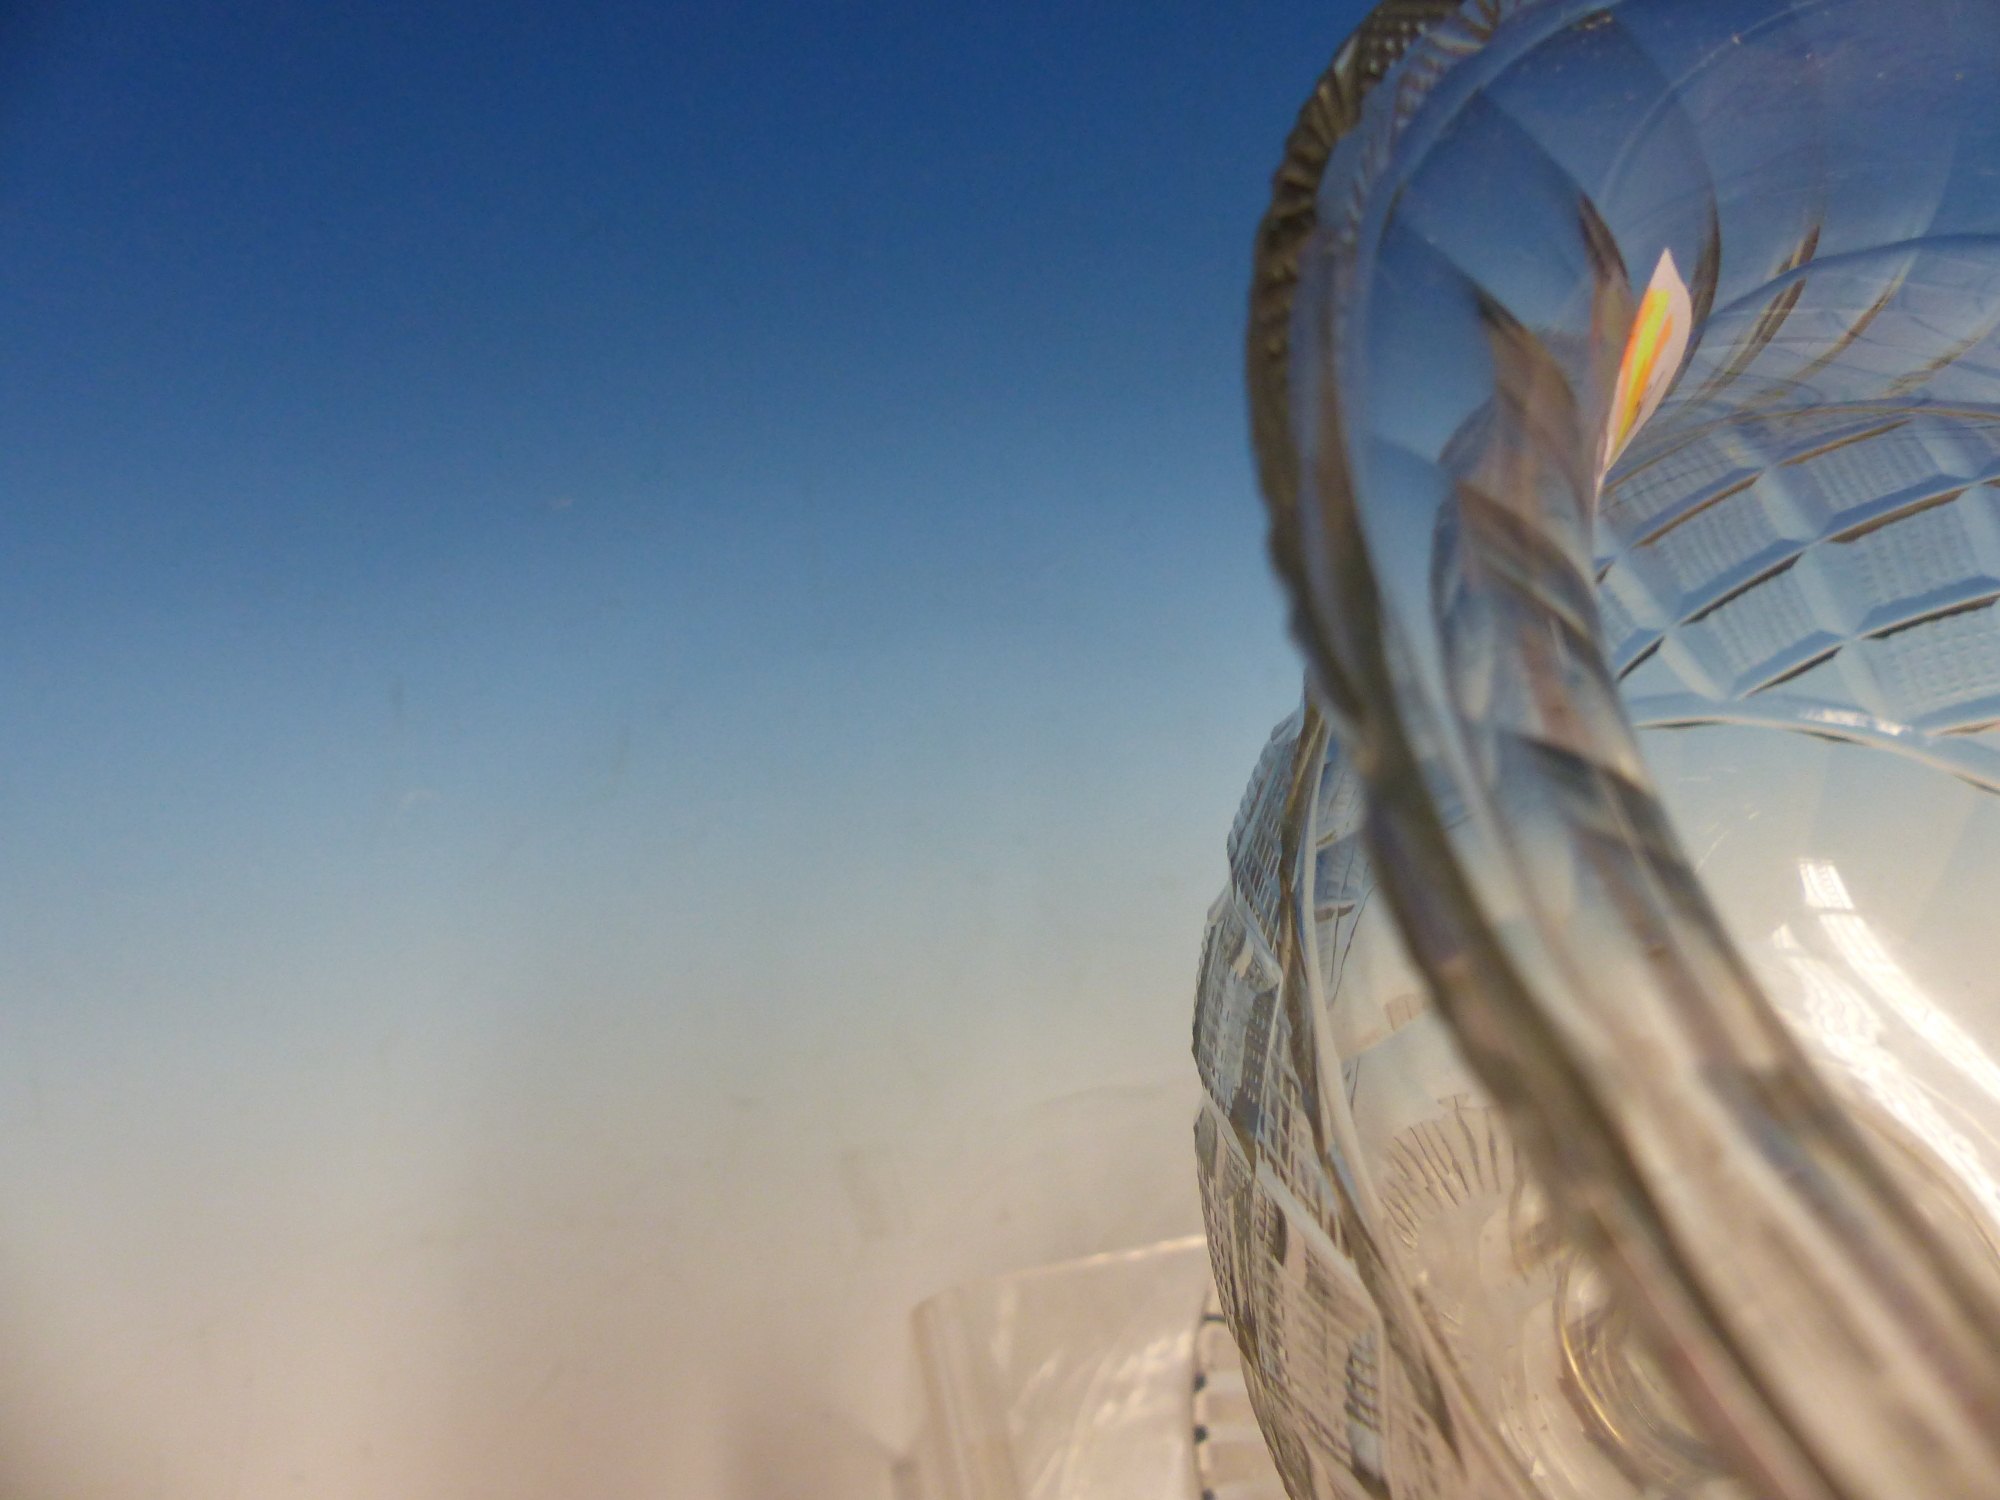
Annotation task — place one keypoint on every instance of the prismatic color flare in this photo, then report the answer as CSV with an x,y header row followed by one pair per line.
x,y
1652,355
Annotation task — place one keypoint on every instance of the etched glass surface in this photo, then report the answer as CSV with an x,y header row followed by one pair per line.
x,y
1600,1027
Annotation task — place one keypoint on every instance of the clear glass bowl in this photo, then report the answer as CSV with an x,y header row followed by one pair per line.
x,y
1602,1024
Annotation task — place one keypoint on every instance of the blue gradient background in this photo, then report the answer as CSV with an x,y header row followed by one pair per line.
x,y
629,634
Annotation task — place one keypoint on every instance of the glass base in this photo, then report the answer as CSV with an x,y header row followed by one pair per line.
x,y
1110,1378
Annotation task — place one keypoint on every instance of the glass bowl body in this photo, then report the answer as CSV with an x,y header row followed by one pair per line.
x,y
1600,1027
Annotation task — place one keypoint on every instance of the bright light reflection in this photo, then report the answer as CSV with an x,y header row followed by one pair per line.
x,y
1869,957
1849,1031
